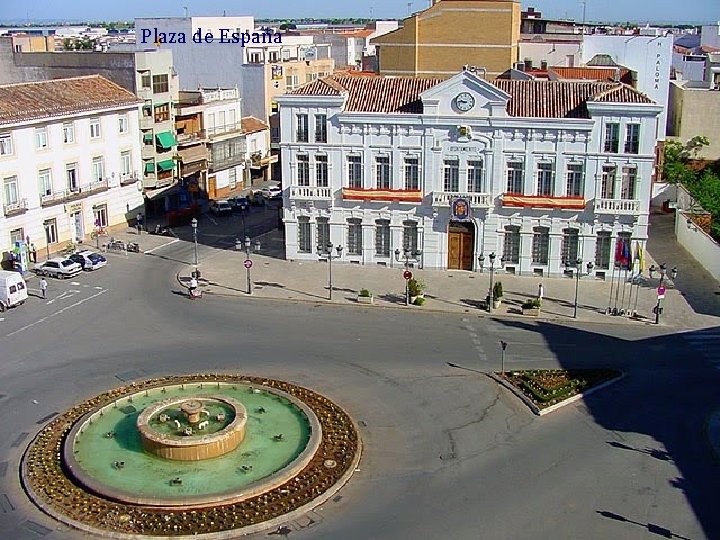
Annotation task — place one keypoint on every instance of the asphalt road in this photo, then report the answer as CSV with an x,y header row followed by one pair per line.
x,y
448,454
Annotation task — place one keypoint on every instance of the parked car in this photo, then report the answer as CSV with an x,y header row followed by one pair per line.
x,y
239,203
58,268
272,192
13,289
88,260
220,207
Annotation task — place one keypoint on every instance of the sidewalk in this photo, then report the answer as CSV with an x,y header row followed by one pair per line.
x,y
273,277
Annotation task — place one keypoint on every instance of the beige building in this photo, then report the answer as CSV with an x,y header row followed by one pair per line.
x,y
440,40
690,105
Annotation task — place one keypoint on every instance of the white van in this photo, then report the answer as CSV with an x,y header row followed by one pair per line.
x,y
13,290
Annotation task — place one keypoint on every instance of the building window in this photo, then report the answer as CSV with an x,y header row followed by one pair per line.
x,y
323,234
321,171
98,169
545,179
50,226
100,215
6,148
125,163
123,123
291,81
575,180
612,138
514,176
355,176
45,180
382,237
627,183
10,187
95,128
162,113
303,170
160,83
632,138
232,178
475,177
301,134
410,237
602,250
607,182
232,119
68,132
354,236
451,175
382,172
540,245
72,176
304,236
145,80
511,245
569,249
41,138
412,173
17,235
320,128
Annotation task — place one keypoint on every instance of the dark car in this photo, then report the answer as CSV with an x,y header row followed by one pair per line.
x,y
239,203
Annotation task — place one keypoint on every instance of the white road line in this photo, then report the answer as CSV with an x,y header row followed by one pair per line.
x,y
162,245
212,219
58,312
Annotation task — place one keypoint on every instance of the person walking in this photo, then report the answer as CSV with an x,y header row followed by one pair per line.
x,y
193,287
541,292
43,287
139,222
33,253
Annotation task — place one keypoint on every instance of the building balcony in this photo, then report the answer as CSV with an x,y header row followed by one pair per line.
x,y
190,138
517,200
147,122
396,195
259,160
71,194
476,200
220,131
310,193
617,207
16,208
129,178
226,163
147,151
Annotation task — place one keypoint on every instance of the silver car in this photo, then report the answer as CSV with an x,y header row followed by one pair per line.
x,y
58,268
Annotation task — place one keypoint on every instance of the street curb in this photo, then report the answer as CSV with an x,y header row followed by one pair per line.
x,y
552,408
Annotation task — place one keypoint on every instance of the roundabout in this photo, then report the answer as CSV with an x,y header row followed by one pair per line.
x,y
190,455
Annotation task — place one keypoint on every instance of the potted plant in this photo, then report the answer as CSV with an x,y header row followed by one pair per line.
x,y
415,289
497,294
365,297
531,307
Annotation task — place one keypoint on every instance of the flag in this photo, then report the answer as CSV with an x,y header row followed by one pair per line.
x,y
641,257
619,251
626,255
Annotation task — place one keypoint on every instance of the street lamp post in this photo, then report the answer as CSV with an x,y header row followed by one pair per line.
x,y
407,256
330,258
248,265
658,306
492,258
194,224
578,271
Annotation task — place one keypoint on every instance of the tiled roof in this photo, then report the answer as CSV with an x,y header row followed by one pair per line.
x,y
29,101
250,124
560,99
530,99
591,74
373,94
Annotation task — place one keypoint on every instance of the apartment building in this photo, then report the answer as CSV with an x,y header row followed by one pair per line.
x,y
540,173
70,161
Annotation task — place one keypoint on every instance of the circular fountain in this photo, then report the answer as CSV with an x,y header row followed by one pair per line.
x,y
153,458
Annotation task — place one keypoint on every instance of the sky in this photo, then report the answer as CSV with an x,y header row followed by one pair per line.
x,y
692,11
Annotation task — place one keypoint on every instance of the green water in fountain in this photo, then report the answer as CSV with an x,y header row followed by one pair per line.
x,y
143,474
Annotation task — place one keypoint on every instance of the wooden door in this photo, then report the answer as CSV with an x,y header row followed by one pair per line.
x,y
454,250
466,259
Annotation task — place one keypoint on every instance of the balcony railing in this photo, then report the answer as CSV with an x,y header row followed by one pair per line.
x,y
217,131
476,200
70,194
391,195
224,163
310,193
258,159
184,138
146,122
13,209
129,178
618,207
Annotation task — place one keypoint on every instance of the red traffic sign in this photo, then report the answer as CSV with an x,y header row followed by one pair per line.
x,y
407,274
247,263
661,292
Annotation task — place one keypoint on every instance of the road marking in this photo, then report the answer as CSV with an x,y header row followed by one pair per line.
x,y
66,294
39,321
162,245
213,220
98,288
75,283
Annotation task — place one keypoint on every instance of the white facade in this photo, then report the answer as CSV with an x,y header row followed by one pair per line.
x,y
43,199
537,223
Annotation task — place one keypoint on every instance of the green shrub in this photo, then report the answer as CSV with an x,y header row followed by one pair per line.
x,y
419,301
365,293
532,303
415,287
498,290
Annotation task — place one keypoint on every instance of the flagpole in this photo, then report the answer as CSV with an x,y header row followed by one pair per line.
x,y
612,283
622,301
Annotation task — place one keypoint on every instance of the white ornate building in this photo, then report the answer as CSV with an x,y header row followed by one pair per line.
x,y
540,173
69,160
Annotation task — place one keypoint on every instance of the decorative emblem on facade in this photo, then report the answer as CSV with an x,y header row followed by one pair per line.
x,y
460,209
464,133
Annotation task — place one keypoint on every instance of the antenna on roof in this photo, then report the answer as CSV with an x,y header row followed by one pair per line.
x,y
186,11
